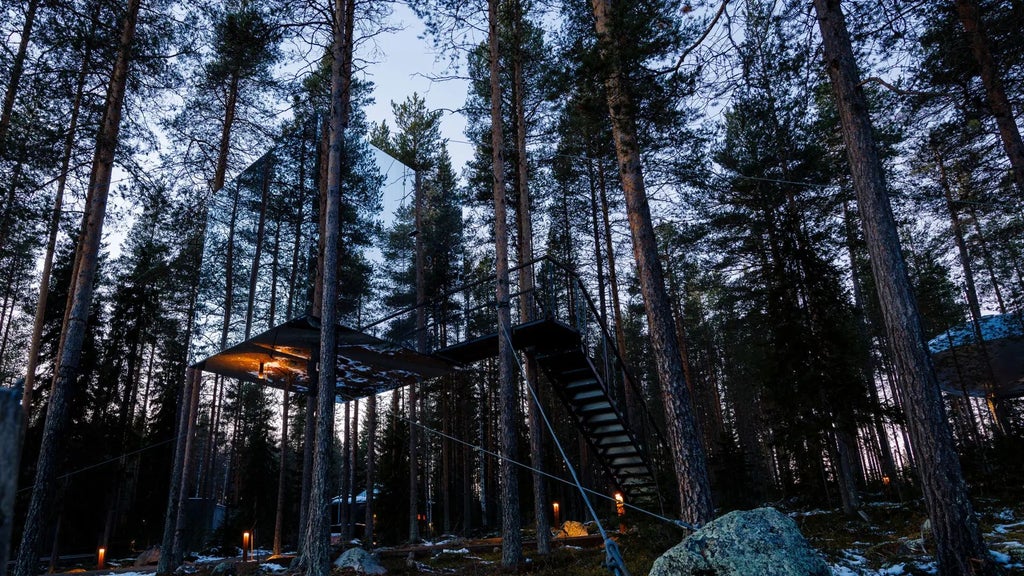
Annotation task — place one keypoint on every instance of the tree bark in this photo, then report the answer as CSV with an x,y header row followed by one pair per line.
x,y
17,68
177,549
684,440
316,550
421,347
970,16
281,475
511,541
999,417
960,549
261,227
10,455
527,282
371,473
87,255
51,243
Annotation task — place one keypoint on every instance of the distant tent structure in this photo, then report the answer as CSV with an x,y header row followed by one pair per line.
x,y
992,368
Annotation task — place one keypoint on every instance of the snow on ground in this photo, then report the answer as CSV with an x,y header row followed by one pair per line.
x,y
1004,528
893,545
803,514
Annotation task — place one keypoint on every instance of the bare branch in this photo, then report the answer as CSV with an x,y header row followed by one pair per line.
x,y
695,45
897,89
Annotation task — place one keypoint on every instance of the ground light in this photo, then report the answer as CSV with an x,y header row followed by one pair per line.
x,y
245,546
554,507
620,509
101,557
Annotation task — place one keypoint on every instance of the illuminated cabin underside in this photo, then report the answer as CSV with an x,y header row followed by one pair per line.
x,y
365,364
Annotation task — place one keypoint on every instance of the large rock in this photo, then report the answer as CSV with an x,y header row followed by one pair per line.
x,y
762,541
361,561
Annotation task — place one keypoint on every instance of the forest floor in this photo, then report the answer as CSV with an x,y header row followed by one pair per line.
x,y
888,543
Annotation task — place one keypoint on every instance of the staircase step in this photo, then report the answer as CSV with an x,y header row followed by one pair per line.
x,y
596,392
583,384
600,405
614,428
614,441
602,417
586,397
626,471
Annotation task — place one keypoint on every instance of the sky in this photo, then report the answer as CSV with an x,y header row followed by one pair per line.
x,y
403,62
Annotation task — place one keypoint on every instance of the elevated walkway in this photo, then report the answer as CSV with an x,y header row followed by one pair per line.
x,y
560,354
570,342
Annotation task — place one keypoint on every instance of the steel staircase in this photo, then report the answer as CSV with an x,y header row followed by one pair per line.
x,y
560,354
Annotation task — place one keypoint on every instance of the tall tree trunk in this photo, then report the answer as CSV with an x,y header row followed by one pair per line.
x,y
10,454
51,242
511,541
371,472
281,475
87,255
345,488
996,407
300,204
421,347
524,220
17,68
970,16
315,554
261,227
684,440
353,442
177,549
224,147
308,436
960,549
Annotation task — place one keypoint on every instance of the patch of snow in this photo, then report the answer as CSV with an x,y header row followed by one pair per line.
x,y
853,558
209,559
129,574
1004,528
893,570
840,570
1012,544
927,567
1006,514
459,551
808,513
270,567
1000,557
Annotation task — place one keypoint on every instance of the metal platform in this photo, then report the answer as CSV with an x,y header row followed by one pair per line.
x,y
365,364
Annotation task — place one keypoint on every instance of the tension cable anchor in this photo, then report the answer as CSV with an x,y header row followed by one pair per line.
x,y
613,559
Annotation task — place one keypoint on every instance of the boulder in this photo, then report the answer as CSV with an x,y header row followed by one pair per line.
x,y
361,561
572,529
148,557
762,541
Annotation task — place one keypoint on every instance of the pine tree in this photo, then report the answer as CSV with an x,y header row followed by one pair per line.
x,y
960,549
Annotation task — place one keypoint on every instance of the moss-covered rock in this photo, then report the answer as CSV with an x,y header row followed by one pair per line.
x,y
762,541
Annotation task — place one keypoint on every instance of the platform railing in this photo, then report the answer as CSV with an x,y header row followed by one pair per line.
x,y
470,311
